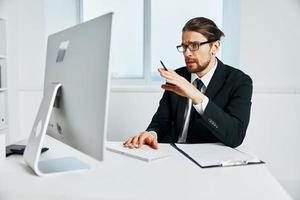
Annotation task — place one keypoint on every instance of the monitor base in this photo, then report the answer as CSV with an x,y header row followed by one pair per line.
x,y
36,139
61,165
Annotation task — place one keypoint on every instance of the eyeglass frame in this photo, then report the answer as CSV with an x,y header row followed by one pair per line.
x,y
195,42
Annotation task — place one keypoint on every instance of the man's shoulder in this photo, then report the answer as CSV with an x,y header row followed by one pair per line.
x,y
234,72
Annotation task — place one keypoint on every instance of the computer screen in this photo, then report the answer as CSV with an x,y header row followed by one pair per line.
x,y
74,106
78,58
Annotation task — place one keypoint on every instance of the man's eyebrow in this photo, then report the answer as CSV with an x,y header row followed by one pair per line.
x,y
189,42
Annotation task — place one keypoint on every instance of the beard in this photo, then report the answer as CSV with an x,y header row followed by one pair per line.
x,y
199,68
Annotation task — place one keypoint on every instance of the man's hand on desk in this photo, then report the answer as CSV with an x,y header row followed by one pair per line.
x,y
148,138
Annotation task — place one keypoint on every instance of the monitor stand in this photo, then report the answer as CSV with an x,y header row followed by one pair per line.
x,y
34,145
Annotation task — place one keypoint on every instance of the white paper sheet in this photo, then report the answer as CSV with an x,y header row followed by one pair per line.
x,y
216,154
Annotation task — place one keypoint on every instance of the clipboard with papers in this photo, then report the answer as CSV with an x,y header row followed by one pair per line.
x,y
215,155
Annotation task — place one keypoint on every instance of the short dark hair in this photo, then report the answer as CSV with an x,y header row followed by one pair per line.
x,y
205,26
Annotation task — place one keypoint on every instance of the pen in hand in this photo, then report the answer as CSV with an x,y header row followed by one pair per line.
x,y
161,62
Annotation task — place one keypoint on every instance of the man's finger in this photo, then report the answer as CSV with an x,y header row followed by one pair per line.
x,y
142,138
135,141
165,73
128,143
154,144
168,87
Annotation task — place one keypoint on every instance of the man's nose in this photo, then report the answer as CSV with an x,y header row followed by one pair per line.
x,y
187,52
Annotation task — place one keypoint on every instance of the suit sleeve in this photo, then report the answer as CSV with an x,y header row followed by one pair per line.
x,y
229,124
161,122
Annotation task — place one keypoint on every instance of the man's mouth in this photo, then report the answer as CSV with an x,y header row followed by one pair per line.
x,y
190,61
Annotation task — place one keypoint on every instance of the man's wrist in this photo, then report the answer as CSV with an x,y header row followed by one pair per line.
x,y
198,99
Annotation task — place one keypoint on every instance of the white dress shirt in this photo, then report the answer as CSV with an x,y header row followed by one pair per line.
x,y
200,108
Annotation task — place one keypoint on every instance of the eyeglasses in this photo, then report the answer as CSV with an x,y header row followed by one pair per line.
x,y
192,46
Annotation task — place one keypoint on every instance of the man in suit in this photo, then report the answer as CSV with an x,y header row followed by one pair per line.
x,y
206,101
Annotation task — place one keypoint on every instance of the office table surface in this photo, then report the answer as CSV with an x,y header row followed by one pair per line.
x,y
123,177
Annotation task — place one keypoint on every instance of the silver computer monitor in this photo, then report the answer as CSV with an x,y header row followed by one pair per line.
x,y
77,60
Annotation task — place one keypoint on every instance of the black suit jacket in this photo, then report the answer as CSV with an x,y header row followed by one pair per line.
x,y
225,118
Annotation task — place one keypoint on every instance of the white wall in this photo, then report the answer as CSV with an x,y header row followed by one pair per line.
x,y
12,12
269,49
273,135
269,43
128,19
31,52
130,111
28,24
32,74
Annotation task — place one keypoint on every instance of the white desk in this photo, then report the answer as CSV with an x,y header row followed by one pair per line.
x,y
122,177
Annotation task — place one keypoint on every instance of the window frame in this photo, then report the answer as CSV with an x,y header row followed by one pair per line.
x,y
231,12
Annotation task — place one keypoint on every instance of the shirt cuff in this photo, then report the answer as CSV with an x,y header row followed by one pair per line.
x,y
200,108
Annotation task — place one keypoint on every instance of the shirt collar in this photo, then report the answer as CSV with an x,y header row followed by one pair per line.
x,y
207,77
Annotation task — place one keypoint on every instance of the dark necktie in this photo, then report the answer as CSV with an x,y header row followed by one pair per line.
x,y
199,84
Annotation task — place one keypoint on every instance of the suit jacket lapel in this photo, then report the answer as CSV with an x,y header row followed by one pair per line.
x,y
216,81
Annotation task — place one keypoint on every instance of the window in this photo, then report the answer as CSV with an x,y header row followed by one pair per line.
x,y
148,31
127,36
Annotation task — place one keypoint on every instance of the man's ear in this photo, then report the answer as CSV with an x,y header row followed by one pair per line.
x,y
215,47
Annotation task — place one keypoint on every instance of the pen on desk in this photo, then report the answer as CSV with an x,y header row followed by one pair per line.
x,y
229,163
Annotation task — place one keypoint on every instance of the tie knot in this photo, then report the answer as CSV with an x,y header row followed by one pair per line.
x,y
198,83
